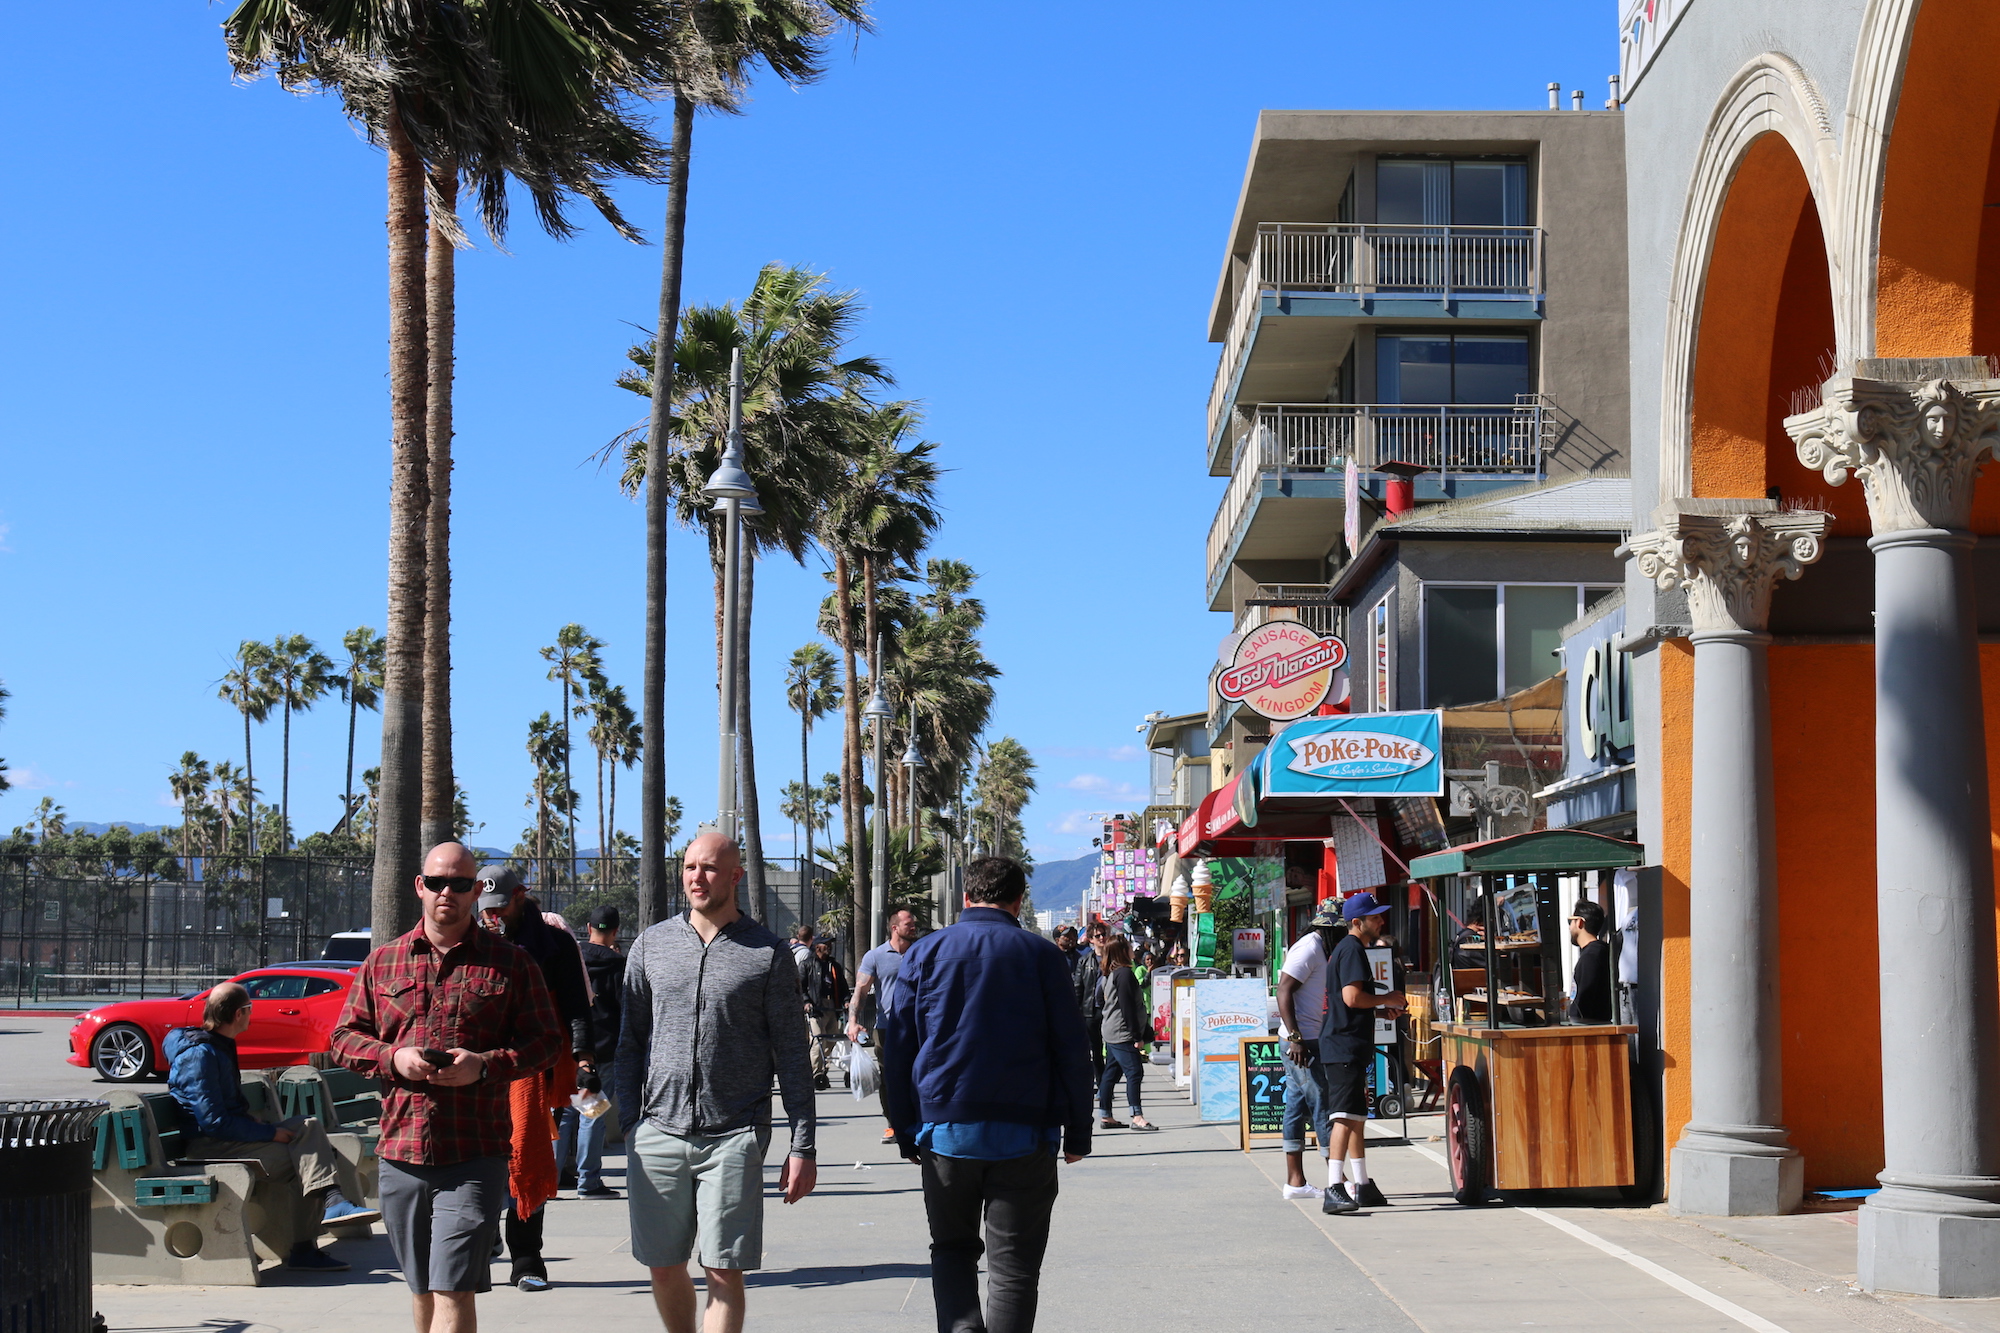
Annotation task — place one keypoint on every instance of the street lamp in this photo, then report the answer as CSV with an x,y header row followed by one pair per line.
x,y
879,715
735,495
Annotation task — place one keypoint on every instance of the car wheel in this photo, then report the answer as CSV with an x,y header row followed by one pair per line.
x,y
122,1053
1468,1138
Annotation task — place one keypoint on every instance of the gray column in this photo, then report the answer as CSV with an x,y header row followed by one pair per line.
x,y
1915,432
1734,1157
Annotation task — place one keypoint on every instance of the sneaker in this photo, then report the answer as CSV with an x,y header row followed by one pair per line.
x,y
1337,1200
566,1182
888,1136
1371,1196
532,1282
597,1191
337,1213
307,1259
1302,1191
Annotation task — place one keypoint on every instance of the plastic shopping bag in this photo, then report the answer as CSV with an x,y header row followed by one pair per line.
x,y
864,1076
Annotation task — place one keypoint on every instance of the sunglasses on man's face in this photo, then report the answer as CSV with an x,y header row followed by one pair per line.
x,y
450,883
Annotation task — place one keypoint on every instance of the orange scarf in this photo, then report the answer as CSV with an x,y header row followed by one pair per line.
x,y
531,1171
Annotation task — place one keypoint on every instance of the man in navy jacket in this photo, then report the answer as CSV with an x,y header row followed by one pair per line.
x,y
985,1078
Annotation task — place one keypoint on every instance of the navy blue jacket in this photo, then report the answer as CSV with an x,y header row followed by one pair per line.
x,y
202,1076
983,1025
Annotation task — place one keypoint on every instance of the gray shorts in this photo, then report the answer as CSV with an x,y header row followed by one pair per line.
x,y
442,1221
697,1195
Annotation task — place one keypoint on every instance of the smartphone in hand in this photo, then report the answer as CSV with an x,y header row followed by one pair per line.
x,y
436,1058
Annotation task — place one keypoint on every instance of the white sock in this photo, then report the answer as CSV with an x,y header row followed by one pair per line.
x,y
1357,1170
1333,1169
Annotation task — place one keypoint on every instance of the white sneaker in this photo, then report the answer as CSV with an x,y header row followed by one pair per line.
x,y
1302,1191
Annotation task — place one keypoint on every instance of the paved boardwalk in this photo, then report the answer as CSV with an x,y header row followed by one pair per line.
x,y
1175,1232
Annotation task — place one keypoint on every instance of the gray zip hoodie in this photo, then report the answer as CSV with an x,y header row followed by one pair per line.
x,y
705,1028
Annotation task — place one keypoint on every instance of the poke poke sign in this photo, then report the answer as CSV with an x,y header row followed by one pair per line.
x,y
1345,755
1282,670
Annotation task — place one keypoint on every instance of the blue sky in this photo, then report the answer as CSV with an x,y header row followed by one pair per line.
x,y
1032,199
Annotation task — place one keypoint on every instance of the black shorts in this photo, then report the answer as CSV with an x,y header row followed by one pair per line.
x,y
1346,1088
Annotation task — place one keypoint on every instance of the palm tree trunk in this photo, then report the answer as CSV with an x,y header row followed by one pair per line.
x,y
611,810
440,300
569,786
746,749
250,783
285,784
805,848
541,817
653,886
850,758
347,796
603,845
399,804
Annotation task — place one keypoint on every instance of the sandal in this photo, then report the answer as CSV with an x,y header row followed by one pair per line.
x,y
1108,1123
1140,1124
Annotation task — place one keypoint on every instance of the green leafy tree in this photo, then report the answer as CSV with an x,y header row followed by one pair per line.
x,y
299,675
246,687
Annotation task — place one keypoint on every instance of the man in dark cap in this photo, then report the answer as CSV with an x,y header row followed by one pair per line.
x,y
580,1146
506,908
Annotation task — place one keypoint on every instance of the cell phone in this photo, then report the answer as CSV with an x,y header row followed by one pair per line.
x,y
433,1056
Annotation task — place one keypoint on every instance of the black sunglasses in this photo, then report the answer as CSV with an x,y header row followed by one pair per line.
x,y
450,883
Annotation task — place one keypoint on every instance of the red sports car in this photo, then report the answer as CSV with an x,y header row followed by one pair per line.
x,y
293,1008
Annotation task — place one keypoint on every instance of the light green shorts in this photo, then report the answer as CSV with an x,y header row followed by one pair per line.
x,y
697,1196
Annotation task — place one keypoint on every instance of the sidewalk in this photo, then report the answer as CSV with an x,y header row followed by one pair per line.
x,y
1179,1232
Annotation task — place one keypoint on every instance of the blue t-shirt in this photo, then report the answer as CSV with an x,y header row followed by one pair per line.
x,y
883,963
986,1140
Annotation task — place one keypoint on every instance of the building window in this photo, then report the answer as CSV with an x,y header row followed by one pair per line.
x,y
1432,193
1485,641
1382,657
1432,368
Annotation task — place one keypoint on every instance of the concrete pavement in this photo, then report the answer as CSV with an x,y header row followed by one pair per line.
x,y
1174,1231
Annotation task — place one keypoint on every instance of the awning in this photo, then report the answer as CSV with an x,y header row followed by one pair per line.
x,y
1230,822
1523,853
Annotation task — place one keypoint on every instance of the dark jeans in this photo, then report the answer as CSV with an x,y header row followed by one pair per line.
x,y
1016,1198
1095,1028
1125,1061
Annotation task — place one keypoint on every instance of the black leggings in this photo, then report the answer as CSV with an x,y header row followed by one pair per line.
x,y
1124,1060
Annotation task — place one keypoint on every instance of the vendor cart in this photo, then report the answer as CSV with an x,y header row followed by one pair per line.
x,y
1532,1099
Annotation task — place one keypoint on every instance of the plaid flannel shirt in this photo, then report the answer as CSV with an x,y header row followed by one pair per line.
x,y
484,995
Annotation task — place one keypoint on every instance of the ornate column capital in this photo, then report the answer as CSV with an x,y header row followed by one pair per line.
x,y
1915,430
1727,554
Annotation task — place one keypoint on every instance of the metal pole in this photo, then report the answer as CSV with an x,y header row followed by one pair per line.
x,y
878,898
732,526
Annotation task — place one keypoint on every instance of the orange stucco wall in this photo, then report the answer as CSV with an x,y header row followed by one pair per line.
x,y
1676,754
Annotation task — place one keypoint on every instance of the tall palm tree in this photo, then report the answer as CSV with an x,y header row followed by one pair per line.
x,y
246,687
299,674
534,93
1004,784
611,723
546,752
575,665
813,692
189,784
222,794
360,684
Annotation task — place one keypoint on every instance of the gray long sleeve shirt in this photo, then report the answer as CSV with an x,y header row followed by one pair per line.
x,y
706,1025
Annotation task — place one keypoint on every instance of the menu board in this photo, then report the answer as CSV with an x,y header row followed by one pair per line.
x,y
1261,1088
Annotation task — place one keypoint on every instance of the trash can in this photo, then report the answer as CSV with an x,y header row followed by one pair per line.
x,y
45,1157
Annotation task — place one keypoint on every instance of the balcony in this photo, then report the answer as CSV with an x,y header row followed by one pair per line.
x,y
1311,443
1359,269
1308,603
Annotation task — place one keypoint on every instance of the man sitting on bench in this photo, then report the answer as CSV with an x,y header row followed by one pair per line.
x,y
203,1078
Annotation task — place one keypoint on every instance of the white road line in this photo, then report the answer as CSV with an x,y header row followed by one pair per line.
x,y
1683,1285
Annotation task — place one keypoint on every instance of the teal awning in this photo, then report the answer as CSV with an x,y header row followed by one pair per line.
x,y
1549,849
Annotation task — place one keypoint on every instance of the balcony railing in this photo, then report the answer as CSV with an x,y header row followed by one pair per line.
x,y
1377,260
1308,603
1312,439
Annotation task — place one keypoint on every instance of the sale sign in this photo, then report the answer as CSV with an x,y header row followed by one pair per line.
x,y
1282,669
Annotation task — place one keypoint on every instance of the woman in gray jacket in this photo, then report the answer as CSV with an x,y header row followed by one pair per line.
x,y
1124,1034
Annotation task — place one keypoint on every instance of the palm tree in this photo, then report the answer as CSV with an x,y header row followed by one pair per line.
x,y
360,684
532,93
576,666
246,686
189,783
612,729
1004,784
4,696
547,752
813,693
299,674
226,779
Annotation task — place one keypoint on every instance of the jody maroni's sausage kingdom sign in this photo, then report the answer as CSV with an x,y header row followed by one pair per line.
x,y
1282,670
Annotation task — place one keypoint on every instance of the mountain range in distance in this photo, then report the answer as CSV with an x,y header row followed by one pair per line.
x,y
1059,885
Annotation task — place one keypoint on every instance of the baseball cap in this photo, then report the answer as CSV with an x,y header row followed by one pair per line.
x,y
604,918
1328,914
496,886
1362,904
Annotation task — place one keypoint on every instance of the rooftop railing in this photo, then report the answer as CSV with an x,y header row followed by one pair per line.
x,y
1312,439
1443,263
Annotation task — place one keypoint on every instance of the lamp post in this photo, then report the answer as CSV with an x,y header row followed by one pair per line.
x,y
879,715
730,487
913,759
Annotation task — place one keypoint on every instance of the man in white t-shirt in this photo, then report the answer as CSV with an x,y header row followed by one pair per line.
x,y
1301,1008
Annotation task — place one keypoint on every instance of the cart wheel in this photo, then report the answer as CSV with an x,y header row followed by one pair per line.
x,y
1389,1106
1469,1137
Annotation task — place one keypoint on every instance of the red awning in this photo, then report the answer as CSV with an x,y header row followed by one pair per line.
x,y
1216,827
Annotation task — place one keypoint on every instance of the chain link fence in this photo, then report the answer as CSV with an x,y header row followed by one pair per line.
x,y
74,932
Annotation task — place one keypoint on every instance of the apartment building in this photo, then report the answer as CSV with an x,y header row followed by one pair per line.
x,y
1421,402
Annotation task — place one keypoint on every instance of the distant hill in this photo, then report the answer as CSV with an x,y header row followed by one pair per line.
x,y
1058,885
96,830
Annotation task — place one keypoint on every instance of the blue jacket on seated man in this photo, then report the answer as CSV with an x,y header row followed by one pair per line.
x,y
982,1042
202,1076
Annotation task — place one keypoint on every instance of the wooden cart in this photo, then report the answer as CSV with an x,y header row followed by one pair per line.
x,y
1531,1101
